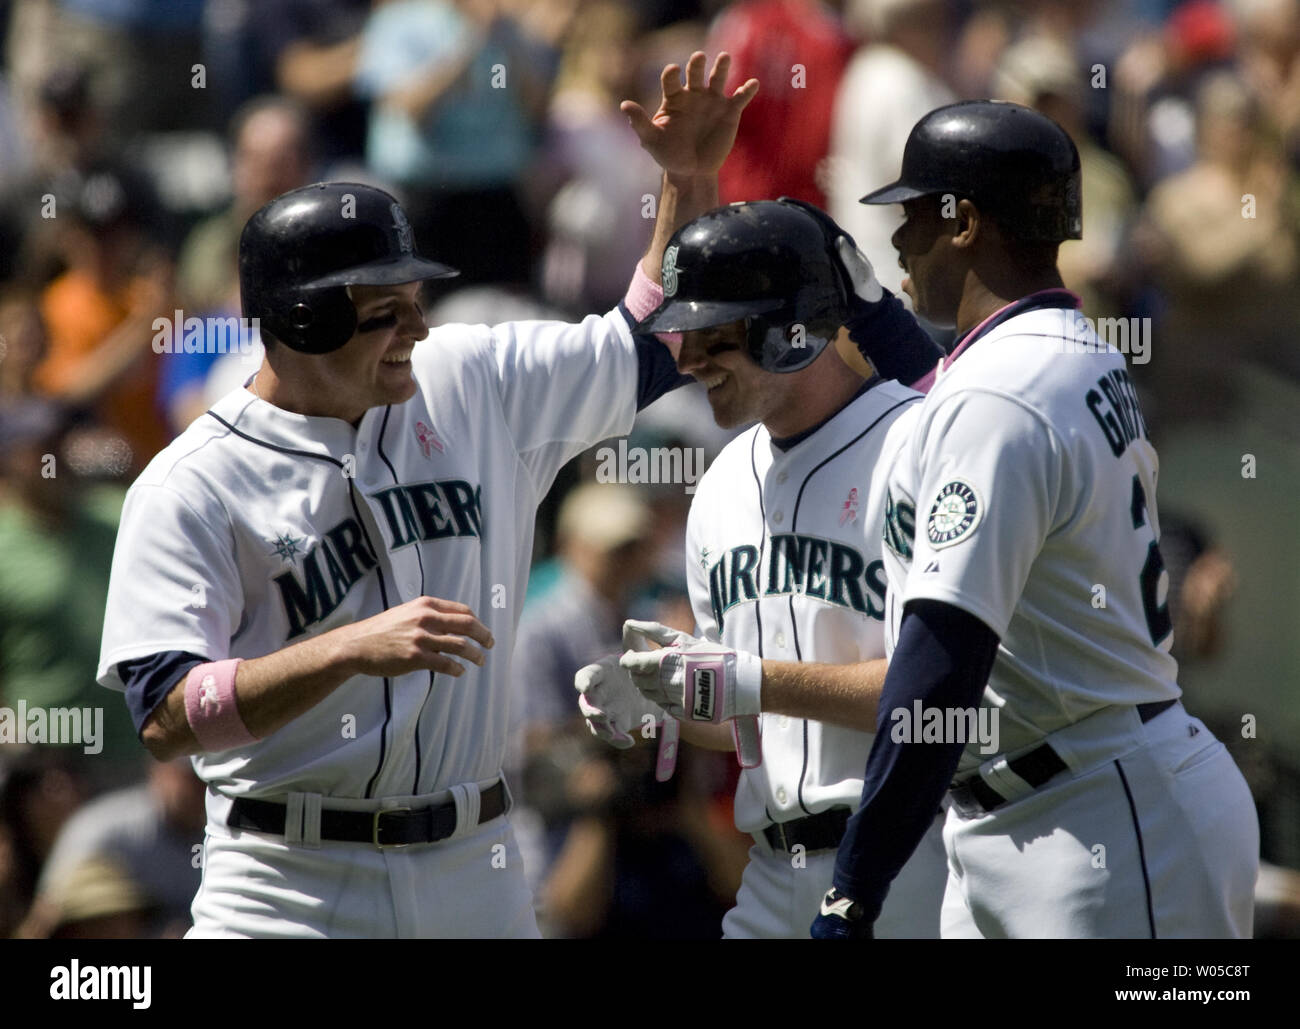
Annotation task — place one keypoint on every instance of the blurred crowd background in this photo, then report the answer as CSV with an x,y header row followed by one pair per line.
x,y
136,136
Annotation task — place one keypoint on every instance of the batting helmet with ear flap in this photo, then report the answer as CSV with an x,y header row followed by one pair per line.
x,y
299,254
772,263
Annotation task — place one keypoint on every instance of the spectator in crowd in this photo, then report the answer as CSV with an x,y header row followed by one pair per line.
x,y
798,50
1041,72
271,155
602,178
150,836
1270,63
141,57
100,313
312,48
56,537
1222,240
601,535
457,92
95,900
1154,85
40,788
642,859
22,342
889,84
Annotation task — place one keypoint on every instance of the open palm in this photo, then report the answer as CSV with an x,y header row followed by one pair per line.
x,y
695,126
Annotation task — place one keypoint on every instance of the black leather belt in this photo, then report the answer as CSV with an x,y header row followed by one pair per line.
x,y
1035,768
392,827
822,831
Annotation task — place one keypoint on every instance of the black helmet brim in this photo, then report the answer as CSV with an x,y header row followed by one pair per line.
x,y
894,193
387,273
686,315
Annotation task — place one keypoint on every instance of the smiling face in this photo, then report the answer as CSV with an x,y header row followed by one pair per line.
x,y
739,391
371,370
933,266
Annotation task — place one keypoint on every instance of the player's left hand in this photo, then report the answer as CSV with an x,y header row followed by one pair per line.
x,y
610,703
840,919
691,678
695,126
859,270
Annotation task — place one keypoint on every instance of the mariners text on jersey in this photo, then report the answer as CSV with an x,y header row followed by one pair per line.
x,y
802,565
417,513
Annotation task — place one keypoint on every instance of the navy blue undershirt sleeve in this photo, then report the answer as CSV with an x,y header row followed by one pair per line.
x,y
887,335
149,679
943,659
656,372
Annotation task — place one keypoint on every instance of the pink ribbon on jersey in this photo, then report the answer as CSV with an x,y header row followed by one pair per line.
x,y
426,437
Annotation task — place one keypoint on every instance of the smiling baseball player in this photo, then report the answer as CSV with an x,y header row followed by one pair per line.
x,y
783,549
1021,549
307,581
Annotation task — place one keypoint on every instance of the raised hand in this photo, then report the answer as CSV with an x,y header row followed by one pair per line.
x,y
695,126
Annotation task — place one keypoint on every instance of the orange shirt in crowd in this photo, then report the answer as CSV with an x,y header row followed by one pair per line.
x,y
78,318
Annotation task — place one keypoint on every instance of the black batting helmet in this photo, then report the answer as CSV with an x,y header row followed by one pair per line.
x,y
1011,161
770,262
300,253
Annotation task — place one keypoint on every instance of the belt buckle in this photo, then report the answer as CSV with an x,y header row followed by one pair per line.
x,y
963,799
374,828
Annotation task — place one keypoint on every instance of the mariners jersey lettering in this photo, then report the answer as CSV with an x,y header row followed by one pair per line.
x,y
1024,493
798,564
783,561
257,528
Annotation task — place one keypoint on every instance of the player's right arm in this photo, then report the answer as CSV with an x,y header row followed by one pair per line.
x,y
847,695
176,600
272,691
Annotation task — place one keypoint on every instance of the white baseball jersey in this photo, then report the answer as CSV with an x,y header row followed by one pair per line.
x,y
257,528
1024,493
783,561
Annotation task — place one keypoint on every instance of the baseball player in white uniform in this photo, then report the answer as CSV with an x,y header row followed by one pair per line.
x,y
1026,590
309,581
783,545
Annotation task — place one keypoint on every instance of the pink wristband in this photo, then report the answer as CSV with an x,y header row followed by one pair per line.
x,y
643,296
210,707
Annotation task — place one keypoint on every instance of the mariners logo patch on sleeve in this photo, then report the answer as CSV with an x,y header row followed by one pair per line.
x,y
954,515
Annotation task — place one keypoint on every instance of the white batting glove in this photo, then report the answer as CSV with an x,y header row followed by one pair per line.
x,y
611,704
691,678
862,275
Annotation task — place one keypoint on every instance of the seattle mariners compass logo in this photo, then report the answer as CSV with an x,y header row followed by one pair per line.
x,y
286,546
670,271
955,514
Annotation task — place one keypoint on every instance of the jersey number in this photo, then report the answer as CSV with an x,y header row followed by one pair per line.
x,y
1159,624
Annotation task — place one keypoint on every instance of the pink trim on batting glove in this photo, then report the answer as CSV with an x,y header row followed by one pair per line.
x,y
643,296
210,707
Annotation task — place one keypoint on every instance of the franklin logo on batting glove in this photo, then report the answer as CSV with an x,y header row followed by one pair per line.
x,y
702,709
712,682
